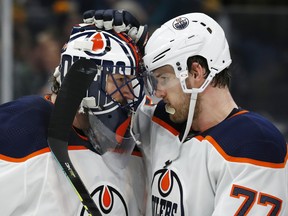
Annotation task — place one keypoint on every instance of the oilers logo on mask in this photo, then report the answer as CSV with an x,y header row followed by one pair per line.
x,y
167,197
100,79
97,46
108,66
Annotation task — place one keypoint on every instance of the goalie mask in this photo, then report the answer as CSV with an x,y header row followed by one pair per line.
x,y
116,90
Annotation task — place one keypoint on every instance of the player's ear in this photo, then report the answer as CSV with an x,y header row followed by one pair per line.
x,y
196,75
197,71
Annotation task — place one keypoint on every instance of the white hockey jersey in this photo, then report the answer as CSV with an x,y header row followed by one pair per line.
x,y
33,184
239,167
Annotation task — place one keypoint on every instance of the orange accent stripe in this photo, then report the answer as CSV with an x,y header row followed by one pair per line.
x,y
77,148
199,137
165,125
121,130
239,113
244,160
148,101
18,160
36,153
137,153
81,136
48,98
133,48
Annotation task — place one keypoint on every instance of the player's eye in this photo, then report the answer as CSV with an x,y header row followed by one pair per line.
x,y
163,79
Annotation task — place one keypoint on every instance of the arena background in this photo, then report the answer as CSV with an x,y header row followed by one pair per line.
x,y
33,32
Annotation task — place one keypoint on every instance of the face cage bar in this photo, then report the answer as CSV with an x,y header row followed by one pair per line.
x,y
131,105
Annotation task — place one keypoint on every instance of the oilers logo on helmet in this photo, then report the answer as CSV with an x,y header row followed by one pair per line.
x,y
169,46
109,200
169,197
180,23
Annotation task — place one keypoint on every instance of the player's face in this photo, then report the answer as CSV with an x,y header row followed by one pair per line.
x,y
169,89
120,82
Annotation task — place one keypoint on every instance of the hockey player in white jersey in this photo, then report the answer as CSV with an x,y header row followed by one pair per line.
x,y
31,181
205,155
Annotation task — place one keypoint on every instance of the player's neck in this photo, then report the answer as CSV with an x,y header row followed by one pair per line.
x,y
215,105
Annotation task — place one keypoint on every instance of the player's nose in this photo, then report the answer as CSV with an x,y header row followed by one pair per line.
x,y
160,93
127,92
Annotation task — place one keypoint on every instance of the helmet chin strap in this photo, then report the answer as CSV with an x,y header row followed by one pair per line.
x,y
137,141
193,99
192,105
194,93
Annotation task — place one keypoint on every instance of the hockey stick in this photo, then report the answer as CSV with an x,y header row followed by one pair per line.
x,y
73,89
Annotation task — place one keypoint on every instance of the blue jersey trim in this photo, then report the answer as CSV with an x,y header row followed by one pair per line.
x,y
250,135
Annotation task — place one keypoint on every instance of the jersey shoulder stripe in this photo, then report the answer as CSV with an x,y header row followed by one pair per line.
x,y
23,129
249,136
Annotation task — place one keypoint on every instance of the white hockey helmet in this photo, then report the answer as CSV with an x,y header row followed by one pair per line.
x,y
193,34
185,36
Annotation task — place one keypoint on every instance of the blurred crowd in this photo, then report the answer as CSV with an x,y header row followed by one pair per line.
x,y
256,30
42,27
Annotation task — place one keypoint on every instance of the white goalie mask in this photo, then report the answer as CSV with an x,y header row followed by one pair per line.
x,y
114,54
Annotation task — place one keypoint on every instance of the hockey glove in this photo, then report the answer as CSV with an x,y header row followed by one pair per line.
x,y
120,21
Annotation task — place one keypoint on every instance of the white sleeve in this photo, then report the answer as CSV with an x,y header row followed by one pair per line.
x,y
33,187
